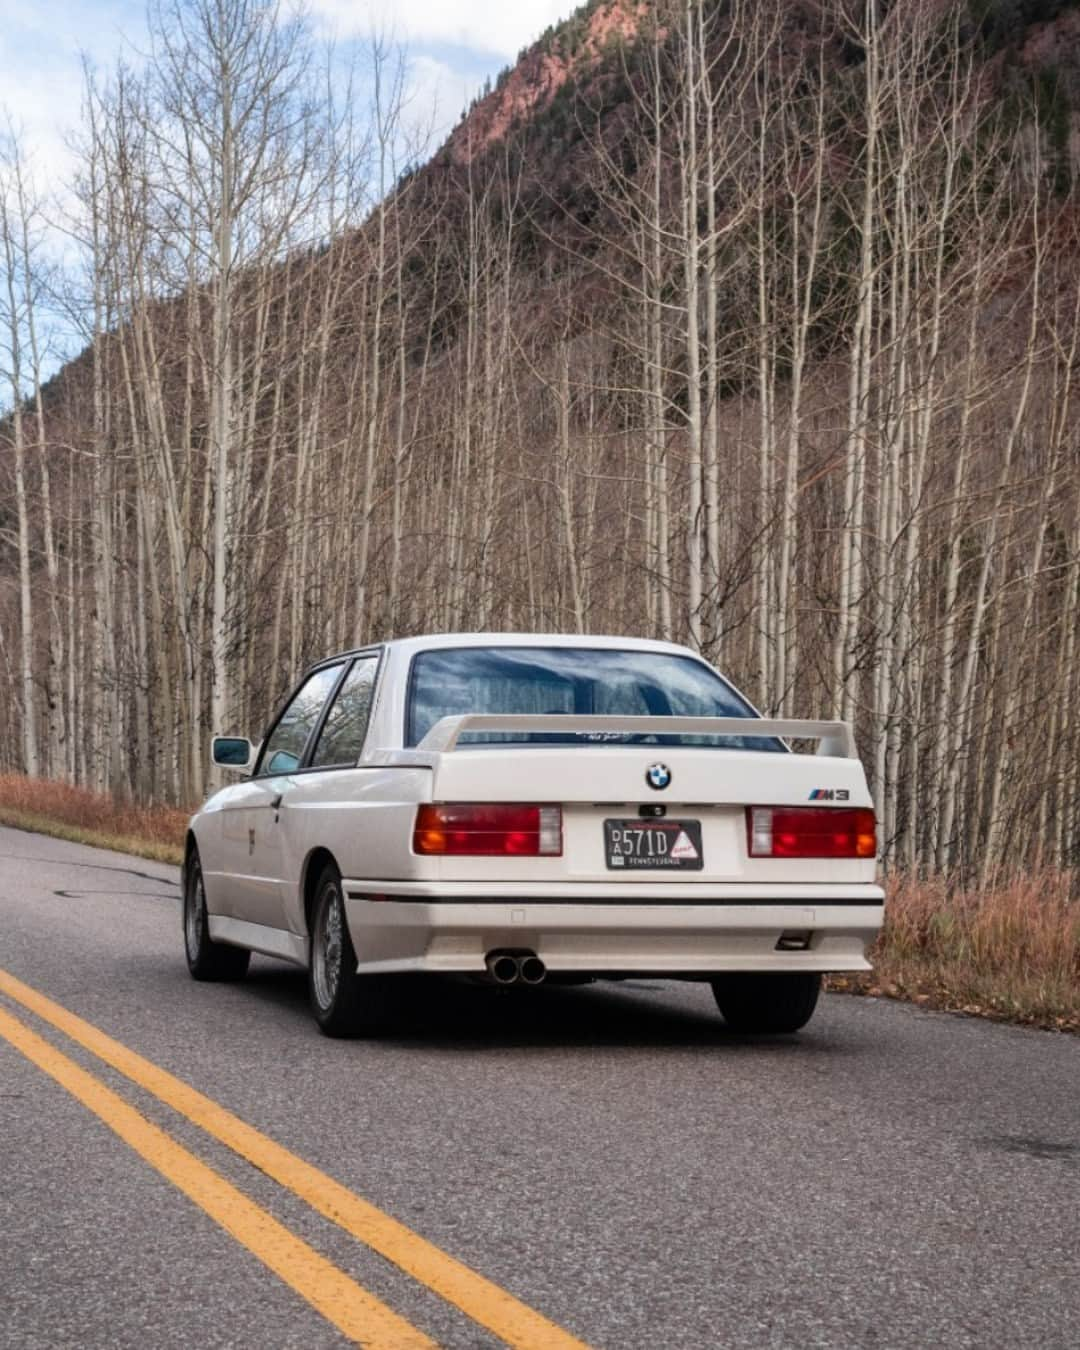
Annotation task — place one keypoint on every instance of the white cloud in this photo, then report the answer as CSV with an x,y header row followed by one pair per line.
x,y
502,27
435,94
41,79
33,103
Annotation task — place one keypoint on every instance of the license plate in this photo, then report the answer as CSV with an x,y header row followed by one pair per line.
x,y
668,845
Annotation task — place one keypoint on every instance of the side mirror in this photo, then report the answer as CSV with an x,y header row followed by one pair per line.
x,y
232,752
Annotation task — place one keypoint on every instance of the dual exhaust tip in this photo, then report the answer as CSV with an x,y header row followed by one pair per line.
x,y
515,967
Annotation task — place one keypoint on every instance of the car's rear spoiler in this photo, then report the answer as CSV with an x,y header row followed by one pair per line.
x,y
834,738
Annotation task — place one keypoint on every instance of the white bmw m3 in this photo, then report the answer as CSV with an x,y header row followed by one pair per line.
x,y
519,808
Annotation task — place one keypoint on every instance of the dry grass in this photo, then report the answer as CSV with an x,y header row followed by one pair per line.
x,y
1010,952
92,818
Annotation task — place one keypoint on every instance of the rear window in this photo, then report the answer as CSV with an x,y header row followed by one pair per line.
x,y
583,681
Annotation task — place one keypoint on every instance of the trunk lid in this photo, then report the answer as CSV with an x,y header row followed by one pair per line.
x,y
595,781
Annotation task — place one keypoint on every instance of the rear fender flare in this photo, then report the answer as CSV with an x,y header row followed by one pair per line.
x,y
312,869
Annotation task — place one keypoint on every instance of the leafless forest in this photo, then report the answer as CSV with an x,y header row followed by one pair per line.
x,y
762,336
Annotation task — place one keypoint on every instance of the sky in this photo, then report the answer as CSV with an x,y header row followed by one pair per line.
x,y
453,45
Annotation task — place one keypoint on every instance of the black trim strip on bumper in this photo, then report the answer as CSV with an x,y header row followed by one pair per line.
x,y
665,900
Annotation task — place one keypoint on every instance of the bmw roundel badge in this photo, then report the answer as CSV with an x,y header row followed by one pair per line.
x,y
658,776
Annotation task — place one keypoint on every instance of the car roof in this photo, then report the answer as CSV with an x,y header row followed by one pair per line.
x,y
408,646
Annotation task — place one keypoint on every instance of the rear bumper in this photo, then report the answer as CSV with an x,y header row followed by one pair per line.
x,y
701,930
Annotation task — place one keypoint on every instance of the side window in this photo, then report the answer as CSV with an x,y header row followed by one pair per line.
x,y
285,747
342,736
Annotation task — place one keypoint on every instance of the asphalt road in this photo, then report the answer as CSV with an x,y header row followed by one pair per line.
x,y
611,1156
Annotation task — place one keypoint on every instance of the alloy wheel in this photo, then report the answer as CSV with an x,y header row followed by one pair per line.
x,y
326,947
194,913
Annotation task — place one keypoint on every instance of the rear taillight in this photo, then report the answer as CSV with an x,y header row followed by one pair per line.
x,y
484,830
810,832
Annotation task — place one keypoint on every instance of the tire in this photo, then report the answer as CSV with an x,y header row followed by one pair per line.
x,y
344,1003
206,960
767,1003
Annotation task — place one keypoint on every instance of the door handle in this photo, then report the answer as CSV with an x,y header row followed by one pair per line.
x,y
275,805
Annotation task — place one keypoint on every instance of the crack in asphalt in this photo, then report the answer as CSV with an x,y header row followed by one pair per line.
x,y
142,895
1032,1146
97,867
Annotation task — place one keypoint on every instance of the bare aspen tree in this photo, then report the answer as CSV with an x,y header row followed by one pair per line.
x,y
45,747
851,546
229,77
387,79
14,319
33,280
99,698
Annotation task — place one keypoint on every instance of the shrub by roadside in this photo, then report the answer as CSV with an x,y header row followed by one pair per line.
x,y
85,817
1010,952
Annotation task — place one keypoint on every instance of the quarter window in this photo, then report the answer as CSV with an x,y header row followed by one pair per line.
x,y
284,749
342,736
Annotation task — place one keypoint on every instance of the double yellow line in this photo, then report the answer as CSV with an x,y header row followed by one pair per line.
x,y
352,1309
